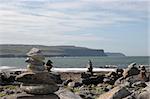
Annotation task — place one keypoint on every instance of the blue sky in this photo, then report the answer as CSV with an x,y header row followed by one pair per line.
x,y
112,25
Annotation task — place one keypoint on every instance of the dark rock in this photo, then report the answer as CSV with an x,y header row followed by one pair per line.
x,y
139,84
8,92
7,78
110,80
130,71
56,77
119,72
93,80
85,75
119,81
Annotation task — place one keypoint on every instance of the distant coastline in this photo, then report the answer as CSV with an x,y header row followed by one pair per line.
x,y
18,50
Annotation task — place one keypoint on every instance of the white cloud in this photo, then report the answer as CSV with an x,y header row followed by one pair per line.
x,y
52,20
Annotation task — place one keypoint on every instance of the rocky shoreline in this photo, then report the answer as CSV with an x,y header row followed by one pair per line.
x,y
127,84
40,82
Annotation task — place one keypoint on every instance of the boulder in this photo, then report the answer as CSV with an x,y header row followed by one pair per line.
x,y
116,93
130,71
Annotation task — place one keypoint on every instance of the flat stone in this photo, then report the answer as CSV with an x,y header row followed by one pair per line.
x,y
36,78
40,89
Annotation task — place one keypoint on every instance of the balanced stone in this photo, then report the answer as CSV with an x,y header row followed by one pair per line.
x,y
35,60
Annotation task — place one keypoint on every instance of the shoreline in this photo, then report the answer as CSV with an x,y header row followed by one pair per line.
x,y
75,70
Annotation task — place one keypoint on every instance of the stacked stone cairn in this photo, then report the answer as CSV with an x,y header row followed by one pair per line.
x,y
36,80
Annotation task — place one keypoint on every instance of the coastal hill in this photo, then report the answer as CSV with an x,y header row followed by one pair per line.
x,y
16,50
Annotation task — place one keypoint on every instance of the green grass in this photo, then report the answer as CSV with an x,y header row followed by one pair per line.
x,y
10,87
2,94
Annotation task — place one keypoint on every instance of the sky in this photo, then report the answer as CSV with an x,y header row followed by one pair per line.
x,y
112,25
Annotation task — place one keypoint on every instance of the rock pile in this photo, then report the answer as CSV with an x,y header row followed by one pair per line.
x,y
130,85
36,80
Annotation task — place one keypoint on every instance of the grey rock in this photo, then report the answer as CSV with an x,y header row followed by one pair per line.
x,y
116,93
35,78
40,89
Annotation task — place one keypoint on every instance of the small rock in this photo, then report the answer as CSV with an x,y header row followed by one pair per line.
x,y
66,82
66,94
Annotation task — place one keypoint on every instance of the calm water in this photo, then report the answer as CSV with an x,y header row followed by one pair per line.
x,y
80,61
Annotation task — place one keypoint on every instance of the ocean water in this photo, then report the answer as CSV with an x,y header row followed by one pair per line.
x,y
79,62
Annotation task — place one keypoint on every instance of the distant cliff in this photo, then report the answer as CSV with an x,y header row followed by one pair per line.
x,y
9,50
114,54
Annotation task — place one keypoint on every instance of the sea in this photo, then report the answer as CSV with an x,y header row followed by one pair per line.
x,y
80,62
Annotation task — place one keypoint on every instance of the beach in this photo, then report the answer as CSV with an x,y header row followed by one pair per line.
x,y
70,78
